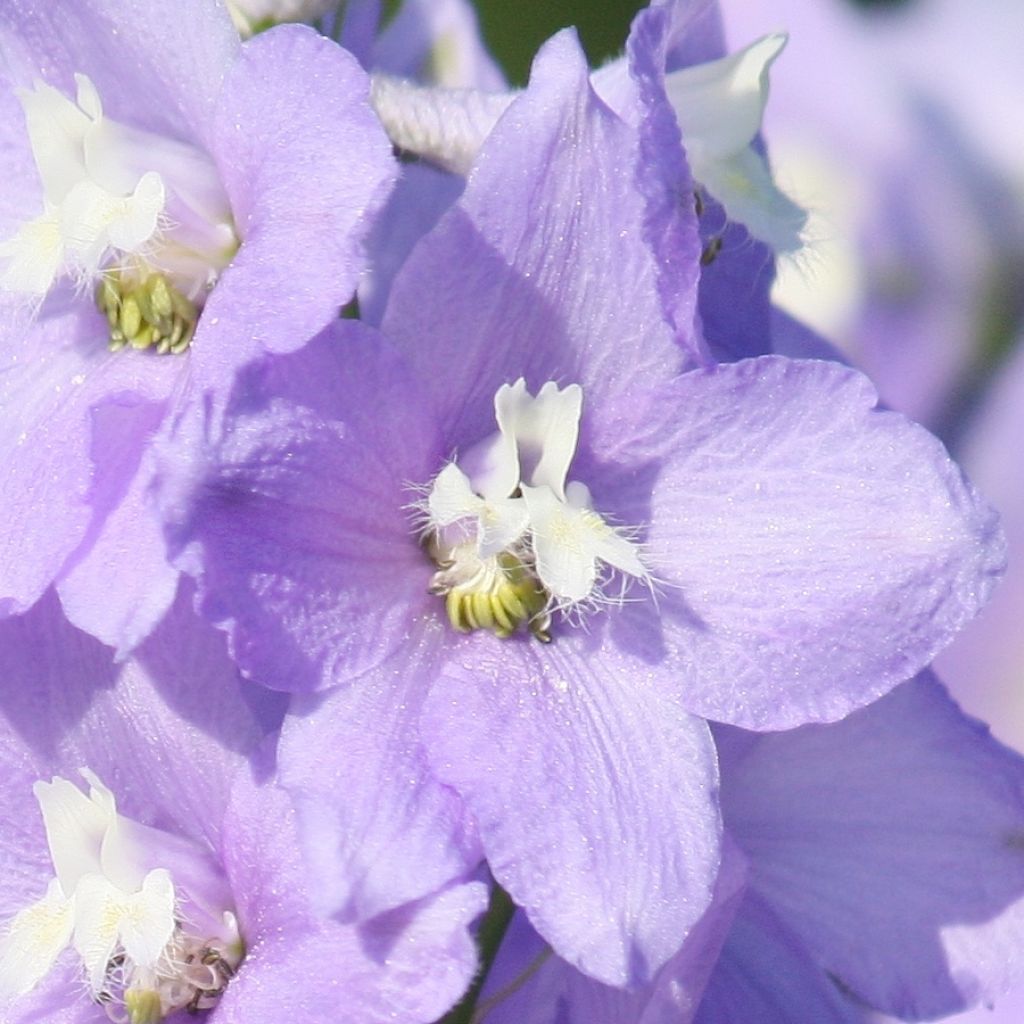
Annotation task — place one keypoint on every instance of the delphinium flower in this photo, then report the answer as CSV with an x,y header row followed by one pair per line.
x,y
572,537
883,871
165,190
150,862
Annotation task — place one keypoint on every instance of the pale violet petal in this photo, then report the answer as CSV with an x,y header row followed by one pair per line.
x,y
719,105
33,941
744,186
75,827
545,429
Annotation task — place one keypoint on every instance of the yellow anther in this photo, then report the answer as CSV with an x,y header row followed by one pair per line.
x,y
143,1006
499,595
145,312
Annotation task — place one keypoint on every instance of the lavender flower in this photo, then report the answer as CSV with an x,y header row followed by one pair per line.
x,y
164,876
785,552
165,189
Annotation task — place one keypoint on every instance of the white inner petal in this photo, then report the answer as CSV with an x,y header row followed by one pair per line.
x,y
35,938
545,430
720,104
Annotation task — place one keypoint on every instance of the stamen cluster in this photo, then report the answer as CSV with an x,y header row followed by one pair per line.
x,y
513,541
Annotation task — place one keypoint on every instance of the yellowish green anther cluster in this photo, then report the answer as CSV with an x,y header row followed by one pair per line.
x,y
146,312
143,1006
501,596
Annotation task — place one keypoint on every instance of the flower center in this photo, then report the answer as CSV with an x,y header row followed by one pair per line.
x,y
512,540
145,312
142,217
148,946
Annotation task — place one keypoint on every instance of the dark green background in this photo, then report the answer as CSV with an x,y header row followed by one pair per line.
x,y
514,29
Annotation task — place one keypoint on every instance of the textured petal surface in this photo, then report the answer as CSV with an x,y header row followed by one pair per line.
x,y
814,550
377,827
155,66
890,845
525,275
301,525
165,730
56,485
409,966
593,791
306,165
126,542
528,984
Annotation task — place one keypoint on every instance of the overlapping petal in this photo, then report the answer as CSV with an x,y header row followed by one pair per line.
x,y
379,829
594,793
312,559
306,166
889,846
502,287
814,550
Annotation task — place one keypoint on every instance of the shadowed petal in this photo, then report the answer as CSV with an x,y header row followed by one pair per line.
x,y
890,845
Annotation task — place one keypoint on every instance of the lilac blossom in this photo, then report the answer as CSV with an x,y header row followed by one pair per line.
x,y
150,858
165,186
754,543
882,871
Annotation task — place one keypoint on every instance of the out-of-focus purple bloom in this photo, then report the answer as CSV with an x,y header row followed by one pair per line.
x,y
884,871
191,890
809,552
924,303
437,42
111,183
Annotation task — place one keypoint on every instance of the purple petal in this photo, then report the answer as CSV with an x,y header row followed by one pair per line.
x,y
890,845
165,730
311,560
419,199
765,974
983,666
409,966
57,485
156,66
525,275
555,993
378,829
438,40
593,791
125,542
815,551
306,165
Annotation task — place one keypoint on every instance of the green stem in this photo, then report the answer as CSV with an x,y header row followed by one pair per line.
x,y
492,931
